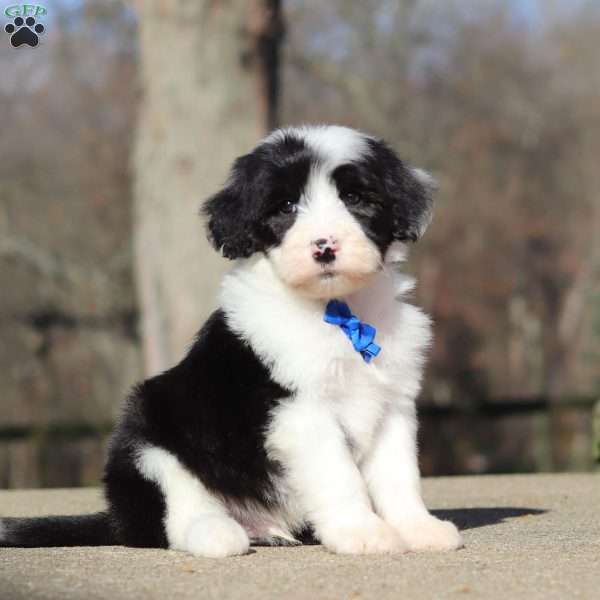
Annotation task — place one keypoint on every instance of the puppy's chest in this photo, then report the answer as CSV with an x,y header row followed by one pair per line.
x,y
313,357
318,363
359,395
308,350
356,393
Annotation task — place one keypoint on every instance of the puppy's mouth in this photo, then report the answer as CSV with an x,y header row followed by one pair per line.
x,y
327,273
329,277
329,282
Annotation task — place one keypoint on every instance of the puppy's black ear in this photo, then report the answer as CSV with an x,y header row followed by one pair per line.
x,y
419,205
229,214
410,190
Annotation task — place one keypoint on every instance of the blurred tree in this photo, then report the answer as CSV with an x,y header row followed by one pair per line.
x,y
210,90
68,346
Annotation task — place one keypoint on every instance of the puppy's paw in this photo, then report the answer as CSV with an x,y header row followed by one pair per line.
x,y
429,533
370,535
216,536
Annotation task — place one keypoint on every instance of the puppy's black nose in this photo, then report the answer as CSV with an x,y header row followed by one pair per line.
x,y
324,249
325,257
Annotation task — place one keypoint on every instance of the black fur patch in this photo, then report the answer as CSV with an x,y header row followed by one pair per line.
x,y
366,199
247,215
137,506
383,195
411,202
210,411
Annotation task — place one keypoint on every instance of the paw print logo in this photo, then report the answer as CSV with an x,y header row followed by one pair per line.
x,y
24,31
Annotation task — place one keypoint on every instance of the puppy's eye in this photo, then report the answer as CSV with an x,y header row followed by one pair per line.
x,y
288,207
351,198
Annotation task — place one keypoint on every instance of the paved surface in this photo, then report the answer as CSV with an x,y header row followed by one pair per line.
x,y
526,537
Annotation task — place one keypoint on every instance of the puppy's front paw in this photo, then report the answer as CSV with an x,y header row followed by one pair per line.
x,y
429,533
369,535
216,536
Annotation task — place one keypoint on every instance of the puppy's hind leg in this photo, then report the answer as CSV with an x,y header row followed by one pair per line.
x,y
195,521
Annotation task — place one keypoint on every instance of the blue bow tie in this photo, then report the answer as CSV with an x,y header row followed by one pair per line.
x,y
360,334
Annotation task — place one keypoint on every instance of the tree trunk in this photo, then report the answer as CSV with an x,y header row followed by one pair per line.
x,y
209,79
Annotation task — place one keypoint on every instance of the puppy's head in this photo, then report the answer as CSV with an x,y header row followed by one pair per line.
x,y
324,204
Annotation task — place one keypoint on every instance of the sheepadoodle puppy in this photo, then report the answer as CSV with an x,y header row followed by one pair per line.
x,y
292,417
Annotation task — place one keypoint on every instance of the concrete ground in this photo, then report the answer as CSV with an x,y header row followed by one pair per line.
x,y
526,537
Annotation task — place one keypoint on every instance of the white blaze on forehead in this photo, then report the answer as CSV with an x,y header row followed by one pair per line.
x,y
336,145
320,198
333,144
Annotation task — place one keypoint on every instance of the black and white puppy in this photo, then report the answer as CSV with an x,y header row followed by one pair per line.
x,y
289,414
